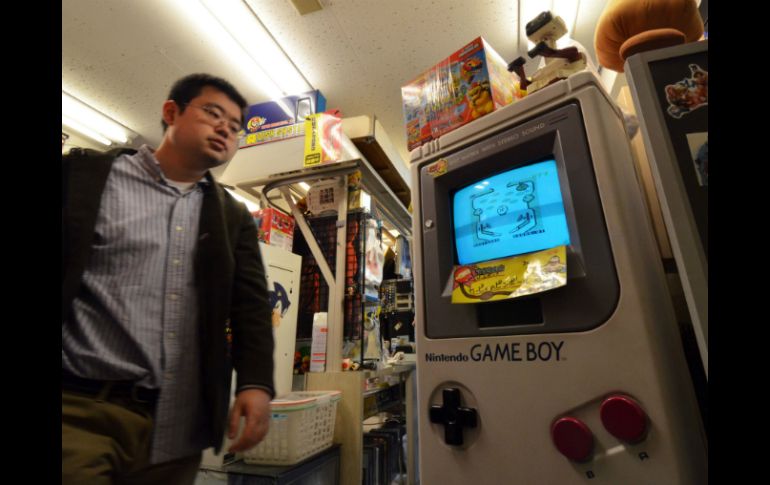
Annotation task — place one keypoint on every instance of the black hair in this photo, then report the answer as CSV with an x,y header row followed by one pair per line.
x,y
189,87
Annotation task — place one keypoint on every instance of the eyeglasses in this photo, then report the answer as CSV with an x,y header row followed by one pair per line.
x,y
217,117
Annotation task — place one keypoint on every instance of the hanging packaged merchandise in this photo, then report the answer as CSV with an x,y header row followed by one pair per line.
x,y
318,348
323,139
375,258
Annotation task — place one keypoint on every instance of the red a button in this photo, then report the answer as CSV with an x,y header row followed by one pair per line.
x,y
624,418
572,438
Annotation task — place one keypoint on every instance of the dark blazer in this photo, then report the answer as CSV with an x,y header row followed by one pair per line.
x,y
229,277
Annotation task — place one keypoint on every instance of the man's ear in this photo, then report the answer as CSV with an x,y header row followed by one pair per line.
x,y
170,112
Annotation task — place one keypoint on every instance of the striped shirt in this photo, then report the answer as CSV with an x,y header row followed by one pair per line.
x,y
136,316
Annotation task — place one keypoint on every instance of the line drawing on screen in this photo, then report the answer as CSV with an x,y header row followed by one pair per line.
x,y
517,209
514,212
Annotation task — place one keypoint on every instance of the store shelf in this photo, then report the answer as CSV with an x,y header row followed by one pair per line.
x,y
252,172
391,369
253,160
352,410
368,135
392,208
381,400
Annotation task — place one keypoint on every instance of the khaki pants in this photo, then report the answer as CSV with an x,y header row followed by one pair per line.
x,y
108,443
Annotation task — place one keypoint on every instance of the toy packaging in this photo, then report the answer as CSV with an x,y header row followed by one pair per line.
x,y
357,197
318,347
415,112
463,87
510,277
280,119
274,227
323,139
324,196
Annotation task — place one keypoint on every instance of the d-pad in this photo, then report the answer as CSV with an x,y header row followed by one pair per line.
x,y
453,416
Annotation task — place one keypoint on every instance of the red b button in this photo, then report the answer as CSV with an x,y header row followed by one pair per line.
x,y
572,438
624,418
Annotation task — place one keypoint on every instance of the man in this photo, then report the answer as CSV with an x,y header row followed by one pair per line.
x,y
163,293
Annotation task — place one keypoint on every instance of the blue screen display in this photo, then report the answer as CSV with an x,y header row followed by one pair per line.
x,y
515,212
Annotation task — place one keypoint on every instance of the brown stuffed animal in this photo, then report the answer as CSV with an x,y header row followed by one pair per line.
x,y
627,27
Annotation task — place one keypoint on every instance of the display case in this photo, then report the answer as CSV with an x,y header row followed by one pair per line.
x,y
669,88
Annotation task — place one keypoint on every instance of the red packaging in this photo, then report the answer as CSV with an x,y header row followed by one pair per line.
x,y
274,227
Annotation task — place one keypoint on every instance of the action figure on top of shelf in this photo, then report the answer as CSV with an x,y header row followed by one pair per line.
x,y
544,30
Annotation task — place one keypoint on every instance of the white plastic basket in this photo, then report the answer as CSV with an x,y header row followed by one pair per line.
x,y
301,425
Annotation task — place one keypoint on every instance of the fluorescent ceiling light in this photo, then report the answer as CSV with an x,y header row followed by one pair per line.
x,y
528,10
249,204
567,10
85,131
243,24
199,17
90,122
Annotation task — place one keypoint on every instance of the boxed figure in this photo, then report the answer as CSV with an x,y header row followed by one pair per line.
x,y
274,228
415,110
280,119
468,84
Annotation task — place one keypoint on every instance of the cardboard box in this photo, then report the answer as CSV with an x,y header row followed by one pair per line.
x,y
323,139
467,85
274,227
280,119
415,112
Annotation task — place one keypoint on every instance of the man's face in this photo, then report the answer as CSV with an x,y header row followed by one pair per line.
x,y
207,129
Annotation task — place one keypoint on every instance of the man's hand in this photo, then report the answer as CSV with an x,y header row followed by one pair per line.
x,y
254,405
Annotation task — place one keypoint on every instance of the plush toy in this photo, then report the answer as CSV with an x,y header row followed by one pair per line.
x,y
627,27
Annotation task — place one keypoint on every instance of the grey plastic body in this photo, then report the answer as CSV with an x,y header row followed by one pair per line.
x,y
520,380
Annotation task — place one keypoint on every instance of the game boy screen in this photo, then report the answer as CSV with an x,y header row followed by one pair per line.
x,y
514,212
